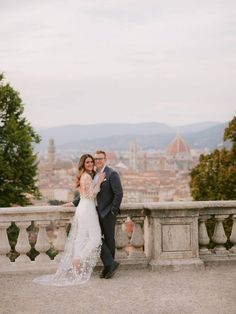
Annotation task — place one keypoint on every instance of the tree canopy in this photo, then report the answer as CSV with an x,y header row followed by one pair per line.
x,y
18,161
214,178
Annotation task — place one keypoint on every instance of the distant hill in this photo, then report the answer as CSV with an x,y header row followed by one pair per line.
x,y
117,136
196,127
72,133
210,138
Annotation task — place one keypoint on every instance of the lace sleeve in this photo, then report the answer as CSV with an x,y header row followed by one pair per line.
x,y
87,189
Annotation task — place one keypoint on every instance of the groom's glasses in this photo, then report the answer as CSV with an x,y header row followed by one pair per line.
x,y
96,159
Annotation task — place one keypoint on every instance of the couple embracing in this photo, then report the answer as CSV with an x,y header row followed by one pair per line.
x,y
92,232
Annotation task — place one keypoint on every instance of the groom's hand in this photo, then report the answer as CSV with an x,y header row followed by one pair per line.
x,y
114,212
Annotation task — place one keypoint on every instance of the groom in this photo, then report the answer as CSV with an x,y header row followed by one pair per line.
x,y
108,206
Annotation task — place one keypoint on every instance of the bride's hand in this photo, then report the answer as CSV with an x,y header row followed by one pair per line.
x,y
70,204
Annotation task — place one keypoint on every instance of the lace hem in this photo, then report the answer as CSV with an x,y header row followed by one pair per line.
x,y
67,274
72,275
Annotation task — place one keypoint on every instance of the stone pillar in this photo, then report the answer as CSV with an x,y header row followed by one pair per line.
x,y
148,236
203,237
22,245
175,239
4,243
219,236
121,240
60,241
42,244
233,235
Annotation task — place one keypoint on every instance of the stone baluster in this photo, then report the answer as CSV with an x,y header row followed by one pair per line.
x,y
60,241
233,235
137,242
219,236
203,237
22,245
42,244
148,236
4,243
121,240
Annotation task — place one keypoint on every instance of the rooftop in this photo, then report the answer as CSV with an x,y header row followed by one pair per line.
x,y
178,146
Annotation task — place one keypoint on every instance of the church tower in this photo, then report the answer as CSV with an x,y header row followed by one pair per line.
x,y
180,154
145,162
133,156
51,152
179,149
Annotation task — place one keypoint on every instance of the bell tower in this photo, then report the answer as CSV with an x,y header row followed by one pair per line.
x,y
133,155
51,151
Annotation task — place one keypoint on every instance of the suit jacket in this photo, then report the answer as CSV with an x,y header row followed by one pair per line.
x,y
110,196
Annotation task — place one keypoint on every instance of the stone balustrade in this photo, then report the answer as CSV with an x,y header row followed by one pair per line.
x,y
170,234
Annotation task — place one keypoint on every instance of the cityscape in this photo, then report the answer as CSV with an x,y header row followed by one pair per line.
x,y
146,176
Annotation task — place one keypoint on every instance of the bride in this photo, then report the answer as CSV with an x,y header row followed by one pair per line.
x,y
82,248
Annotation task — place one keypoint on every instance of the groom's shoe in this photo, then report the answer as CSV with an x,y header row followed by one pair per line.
x,y
104,272
112,270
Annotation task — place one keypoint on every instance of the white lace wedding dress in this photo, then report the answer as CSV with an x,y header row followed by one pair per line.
x,y
83,242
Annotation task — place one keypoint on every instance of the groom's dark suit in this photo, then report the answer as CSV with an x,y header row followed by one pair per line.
x,y
108,206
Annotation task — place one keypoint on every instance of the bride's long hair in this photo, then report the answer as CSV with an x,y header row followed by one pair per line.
x,y
81,168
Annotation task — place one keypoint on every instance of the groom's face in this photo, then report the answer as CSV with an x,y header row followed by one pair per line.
x,y
100,161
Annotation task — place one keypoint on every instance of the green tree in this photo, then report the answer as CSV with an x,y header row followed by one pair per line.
x,y
230,133
214,178
18,162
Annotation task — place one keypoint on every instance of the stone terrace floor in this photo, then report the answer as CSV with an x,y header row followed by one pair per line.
x,y
208,291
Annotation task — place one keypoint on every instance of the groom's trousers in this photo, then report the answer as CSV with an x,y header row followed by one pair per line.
x,y
108,238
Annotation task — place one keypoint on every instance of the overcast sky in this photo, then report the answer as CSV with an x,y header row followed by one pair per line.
x,y
95,61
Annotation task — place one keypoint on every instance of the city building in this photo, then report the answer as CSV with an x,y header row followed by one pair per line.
x,y
146,176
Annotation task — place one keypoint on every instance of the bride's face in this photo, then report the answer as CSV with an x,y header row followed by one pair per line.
x,y
88,164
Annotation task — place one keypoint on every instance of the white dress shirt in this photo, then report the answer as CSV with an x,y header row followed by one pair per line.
x,y
95,180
